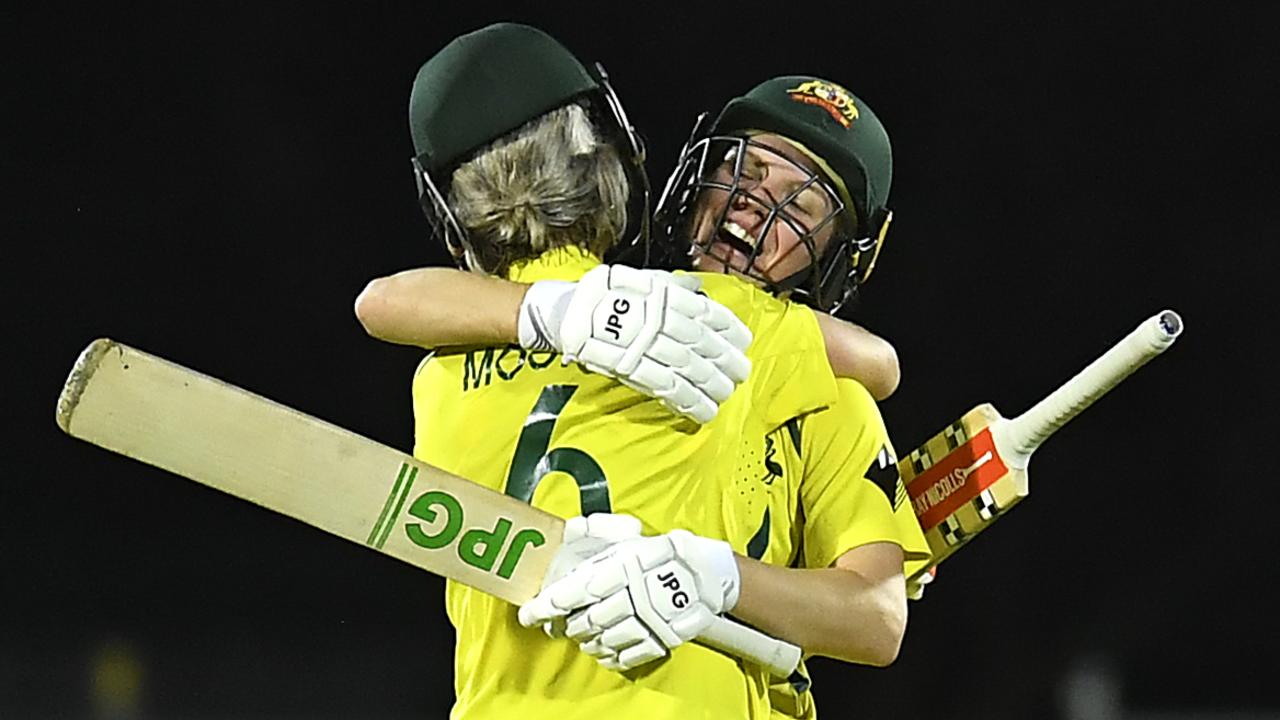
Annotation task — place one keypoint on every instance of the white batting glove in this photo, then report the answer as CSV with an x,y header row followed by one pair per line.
x,y
650,329
584,538
640,598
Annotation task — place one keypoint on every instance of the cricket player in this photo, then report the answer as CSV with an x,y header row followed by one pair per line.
x,y
787,188
574,442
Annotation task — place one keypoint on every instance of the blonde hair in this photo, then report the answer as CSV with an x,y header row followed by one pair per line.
x,y
552,183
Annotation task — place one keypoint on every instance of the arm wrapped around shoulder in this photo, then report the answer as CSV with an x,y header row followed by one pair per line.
x,y
650,329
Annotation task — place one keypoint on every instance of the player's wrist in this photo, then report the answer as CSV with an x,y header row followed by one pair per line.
x,y
541,312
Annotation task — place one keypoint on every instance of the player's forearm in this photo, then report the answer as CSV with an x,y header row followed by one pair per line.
x,y
857,353
440,307
834,612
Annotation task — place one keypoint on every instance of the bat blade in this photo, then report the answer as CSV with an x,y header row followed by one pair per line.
x,y
973,472
227,438
232,440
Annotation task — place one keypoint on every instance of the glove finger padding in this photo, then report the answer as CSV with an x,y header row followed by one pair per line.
x,y
683,329
625,633
675,392
700,375
689,401
670,353
587,581
602,358
597,649
714,317
727,325
704,344
624,646
569,593
692,365
597,618
680,396
638,654
586,537
697,399
729,360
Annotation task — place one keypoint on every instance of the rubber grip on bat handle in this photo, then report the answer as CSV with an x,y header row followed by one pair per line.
x,y
779,656
1023,434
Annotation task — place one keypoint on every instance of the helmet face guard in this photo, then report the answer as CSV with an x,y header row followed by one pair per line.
x,y
444,224
720,181
607,113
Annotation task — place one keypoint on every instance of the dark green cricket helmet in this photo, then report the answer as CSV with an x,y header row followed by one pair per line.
x,y
490,82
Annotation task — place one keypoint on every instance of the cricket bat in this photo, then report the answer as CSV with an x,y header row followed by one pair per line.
x,y
967,476
230,439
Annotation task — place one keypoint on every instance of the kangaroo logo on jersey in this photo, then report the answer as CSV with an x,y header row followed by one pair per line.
x,y
773,470
837,101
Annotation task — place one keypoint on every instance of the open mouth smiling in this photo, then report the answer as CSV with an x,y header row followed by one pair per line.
x,y
733,247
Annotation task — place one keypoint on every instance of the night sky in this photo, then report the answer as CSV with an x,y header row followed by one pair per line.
x,y
216,184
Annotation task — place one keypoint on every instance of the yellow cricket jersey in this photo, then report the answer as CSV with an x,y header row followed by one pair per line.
x,y
572,442
819,486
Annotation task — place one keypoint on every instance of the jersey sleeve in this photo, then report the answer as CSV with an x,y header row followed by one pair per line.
x,y
851,494
791,375
795,377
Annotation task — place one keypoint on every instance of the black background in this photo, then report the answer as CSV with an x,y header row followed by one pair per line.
x,y
215,184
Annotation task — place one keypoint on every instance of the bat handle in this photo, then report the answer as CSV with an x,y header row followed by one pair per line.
x,y
1019,437
779,656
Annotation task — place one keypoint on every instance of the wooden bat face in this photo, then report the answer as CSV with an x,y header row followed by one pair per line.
x,y
232,440
958,484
